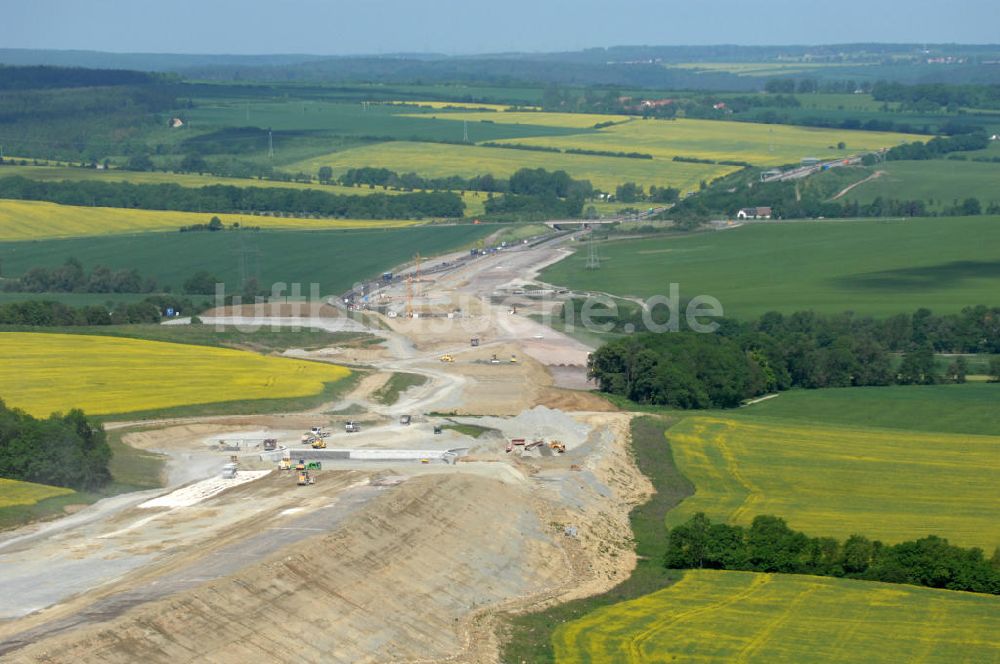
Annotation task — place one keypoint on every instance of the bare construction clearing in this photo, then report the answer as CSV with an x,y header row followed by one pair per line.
x,y
361,531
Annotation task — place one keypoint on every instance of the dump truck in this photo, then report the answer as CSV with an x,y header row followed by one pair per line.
x,y
270,444
474,341
352,427
228,471
438,429
404,420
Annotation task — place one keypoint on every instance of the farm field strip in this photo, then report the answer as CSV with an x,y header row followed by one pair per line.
x,y
871,267
946,182
747,617
34,220
473,202
836,481
15,492
440,160
42,373
760,145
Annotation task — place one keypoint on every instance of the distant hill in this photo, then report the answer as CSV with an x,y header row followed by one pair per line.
x,y
656,67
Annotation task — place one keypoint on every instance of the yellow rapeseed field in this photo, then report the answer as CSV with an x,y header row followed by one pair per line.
x,y
757,144
886,484
35,220
14,492
439,160
42,373
716,616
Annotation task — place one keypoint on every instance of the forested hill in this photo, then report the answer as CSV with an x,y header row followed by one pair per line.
x,y
40,77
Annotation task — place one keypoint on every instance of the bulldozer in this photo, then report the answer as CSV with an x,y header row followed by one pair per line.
x,y
318,444
513,359
447,358
558,446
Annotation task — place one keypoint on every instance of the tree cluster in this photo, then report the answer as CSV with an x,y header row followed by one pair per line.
x,y
685,369
61,450
938,147
72,278
769,545
228,198
934,96
45,313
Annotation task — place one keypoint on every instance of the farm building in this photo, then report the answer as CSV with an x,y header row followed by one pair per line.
x,y
754,213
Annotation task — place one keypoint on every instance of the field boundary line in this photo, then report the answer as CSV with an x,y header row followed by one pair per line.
x,y
762,637
635,644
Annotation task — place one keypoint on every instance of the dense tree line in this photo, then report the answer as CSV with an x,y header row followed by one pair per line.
x,y
769,545
686,369
228,198
934,96
72,278
938,147
62,450
46,313
25,78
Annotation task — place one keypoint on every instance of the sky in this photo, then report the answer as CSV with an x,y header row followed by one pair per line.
x,y
339,27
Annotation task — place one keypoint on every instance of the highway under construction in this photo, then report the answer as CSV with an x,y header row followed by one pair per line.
x,y
493,486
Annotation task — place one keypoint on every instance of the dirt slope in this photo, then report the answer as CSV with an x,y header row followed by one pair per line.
x,y
434,544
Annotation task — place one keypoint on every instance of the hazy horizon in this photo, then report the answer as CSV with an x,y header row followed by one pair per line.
x,y
375,27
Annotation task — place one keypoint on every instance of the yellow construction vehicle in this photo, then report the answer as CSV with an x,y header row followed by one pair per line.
x,y
319,444
447,358
285,464
305,479
513,359
557,446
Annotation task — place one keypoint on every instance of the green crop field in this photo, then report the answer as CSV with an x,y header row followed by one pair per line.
x,y
875,267
333,259
891,485
758,144
384,121
717,616
942,183
438,160
755,68
969,408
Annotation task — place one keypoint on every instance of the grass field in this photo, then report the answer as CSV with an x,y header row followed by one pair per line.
x,y
758,144
837,481
755,68
43,373
14,492
718,616
384,121
438,160
871,267
473,202
35,220
333,259
943,183
970,408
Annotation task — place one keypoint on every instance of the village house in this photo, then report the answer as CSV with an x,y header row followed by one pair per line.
x,y
754,213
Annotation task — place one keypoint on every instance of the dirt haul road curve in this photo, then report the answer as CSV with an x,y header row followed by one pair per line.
x,y
377,561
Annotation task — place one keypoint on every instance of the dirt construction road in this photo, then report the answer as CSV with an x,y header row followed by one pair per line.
x,y
378,560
